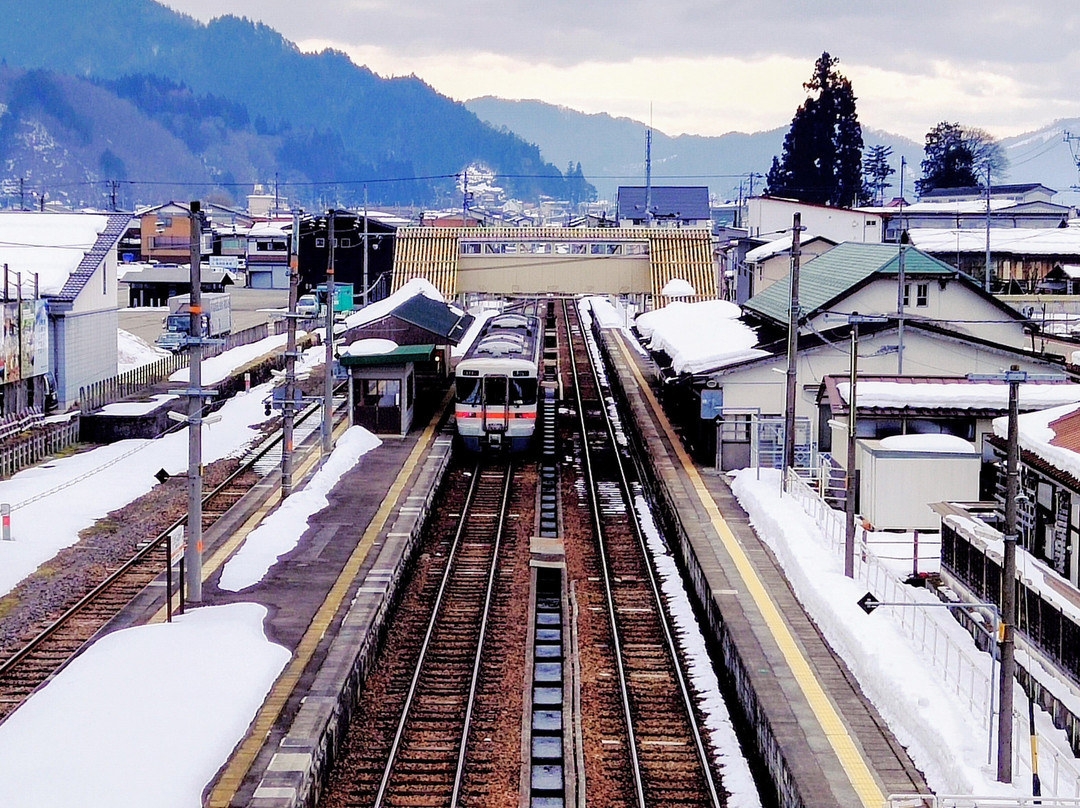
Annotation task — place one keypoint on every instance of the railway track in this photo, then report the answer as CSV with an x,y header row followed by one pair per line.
x,y
661,759
412,750
28,667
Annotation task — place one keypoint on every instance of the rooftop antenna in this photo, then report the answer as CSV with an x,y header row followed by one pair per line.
x,y
648,171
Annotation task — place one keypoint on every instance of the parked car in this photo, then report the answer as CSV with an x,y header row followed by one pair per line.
x,y
308,306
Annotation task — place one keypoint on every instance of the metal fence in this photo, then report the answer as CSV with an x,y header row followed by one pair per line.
x,y
967,671
39,443
969,801
132,382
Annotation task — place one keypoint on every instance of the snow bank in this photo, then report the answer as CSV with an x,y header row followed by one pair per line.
x,y
677,287
281,531
220,367
699,336
943,739
370,347
144,717
134,352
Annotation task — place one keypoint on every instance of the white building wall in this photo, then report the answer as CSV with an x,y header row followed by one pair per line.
x,y
84,351
956,306
767,217
762,386
896,488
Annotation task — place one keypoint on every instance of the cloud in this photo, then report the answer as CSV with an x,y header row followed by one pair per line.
x,y
711,67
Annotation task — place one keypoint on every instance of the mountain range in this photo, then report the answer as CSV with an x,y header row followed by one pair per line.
x,y
612,151
127,101
239,104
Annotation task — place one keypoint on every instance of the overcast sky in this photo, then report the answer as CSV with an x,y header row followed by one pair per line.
x,y
708,66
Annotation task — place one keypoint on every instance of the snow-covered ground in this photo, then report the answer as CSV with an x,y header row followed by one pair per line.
x,y
144,717
147,715
946,740
133,352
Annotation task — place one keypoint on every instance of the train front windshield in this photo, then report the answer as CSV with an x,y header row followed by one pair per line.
x,y
493,391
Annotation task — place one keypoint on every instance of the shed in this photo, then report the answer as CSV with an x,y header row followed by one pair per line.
x,y
154,285
903,474
382,384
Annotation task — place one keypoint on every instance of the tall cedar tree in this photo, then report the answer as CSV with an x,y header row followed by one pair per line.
x,y
822,159
949,161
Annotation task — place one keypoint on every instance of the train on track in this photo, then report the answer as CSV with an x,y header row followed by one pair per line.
x,y
497,383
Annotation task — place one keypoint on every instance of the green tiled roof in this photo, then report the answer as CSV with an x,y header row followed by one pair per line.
x,y
399,356
839,271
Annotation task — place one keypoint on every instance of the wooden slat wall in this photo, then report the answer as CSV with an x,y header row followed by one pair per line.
x,y
432,253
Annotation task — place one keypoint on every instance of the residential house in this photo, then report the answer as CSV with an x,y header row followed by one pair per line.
x,y
970,214
70,341
166,233
771,262
863,278
669,206
268,255
1023,193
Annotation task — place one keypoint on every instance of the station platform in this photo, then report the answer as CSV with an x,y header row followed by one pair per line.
x,y
823,741
326,603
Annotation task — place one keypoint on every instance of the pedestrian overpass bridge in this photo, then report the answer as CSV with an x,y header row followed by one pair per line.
x,y
556,260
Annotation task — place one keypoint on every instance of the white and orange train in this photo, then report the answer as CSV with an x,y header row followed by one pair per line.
x,y
497,383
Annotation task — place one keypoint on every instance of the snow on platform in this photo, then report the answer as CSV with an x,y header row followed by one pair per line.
x,y
145,716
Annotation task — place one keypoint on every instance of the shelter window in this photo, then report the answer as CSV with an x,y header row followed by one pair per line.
x,y
320,242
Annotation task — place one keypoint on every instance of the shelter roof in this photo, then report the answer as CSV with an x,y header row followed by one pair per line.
x,y
399,356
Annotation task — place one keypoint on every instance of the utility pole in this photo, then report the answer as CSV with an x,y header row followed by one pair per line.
x,y
852,475
288,408
1008,580
366,247
465,198
328,389
988,226
648,175
901,280
792,350
194,549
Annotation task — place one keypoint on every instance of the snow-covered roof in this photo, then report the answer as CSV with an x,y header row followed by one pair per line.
x,y
929,443
678,287
56,246
699,336
958,394
381,308
776,247
1016,240
1037,437
265,229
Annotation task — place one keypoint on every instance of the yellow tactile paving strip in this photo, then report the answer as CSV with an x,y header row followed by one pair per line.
x,y
244,756
847,752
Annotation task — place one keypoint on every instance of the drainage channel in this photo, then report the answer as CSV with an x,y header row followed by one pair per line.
x,y
547,772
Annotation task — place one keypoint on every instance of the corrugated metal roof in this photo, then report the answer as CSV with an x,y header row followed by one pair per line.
x,y
432,253
433,316
839,271
685,203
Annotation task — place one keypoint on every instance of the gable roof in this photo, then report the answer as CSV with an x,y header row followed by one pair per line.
x,y
431,315
782,245
668,201
979,190
839,272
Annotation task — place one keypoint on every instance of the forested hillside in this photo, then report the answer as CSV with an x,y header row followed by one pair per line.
x,y
244,102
